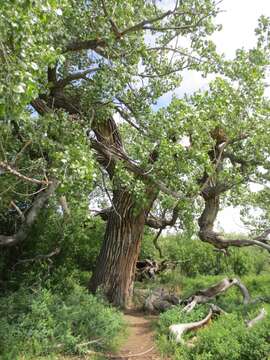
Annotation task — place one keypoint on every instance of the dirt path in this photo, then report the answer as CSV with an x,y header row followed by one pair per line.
x,y
140,342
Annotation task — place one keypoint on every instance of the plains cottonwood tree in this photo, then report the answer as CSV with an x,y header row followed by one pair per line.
x,y
93,70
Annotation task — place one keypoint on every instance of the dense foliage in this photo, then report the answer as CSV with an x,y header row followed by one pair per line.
x,y
91,163
38,322
226,337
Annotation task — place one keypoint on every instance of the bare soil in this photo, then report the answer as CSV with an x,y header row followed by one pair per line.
x,y
140,342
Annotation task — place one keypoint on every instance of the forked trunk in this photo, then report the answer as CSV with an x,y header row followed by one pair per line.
x,y
116,263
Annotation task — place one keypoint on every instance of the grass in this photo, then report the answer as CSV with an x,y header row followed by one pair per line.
x,y
227,337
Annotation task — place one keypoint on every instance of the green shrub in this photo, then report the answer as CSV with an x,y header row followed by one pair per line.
x,y
173,316
226,337
40,322
195,257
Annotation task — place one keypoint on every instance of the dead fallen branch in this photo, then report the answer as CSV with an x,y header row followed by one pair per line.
x,y
258,318
207,295
146,269
160,300
177,330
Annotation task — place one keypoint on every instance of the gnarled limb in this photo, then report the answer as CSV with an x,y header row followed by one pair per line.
x,y
206,224
39,257
6,167
211,191
206,295
244,291
259,317
156,244
178,330
163,222
30,217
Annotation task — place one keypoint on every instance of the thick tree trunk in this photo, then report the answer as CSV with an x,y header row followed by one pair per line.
x,y
116,263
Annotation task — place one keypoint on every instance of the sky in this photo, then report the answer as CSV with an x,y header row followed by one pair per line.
x,y
239,20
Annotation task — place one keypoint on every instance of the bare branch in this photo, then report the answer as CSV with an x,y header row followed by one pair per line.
x,y
115,154
18,210
220,242
30,217
113,24
95,44
16,173
259,317
176,51
140,25
75,76
78,45
177,330
126,117
39,257
264,236
155,242
113,208
207,295
163,222
244,291
29,142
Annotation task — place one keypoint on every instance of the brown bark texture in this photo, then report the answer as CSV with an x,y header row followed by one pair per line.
x,y
116,263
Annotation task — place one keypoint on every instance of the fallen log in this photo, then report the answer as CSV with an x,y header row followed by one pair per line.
x,y
207,295
258,318
160,300
177,330
146,269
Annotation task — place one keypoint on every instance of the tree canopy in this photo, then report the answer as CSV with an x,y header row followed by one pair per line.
x,y
80,88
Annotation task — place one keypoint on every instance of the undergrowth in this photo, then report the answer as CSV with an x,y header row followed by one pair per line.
x,y
41,323
226,337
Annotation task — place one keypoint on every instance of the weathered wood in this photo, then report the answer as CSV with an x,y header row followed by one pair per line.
x,y
146,269
177,330
160,300
258,318
207,295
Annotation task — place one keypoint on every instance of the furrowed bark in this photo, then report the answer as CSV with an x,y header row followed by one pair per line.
x,y
115,269
116,263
